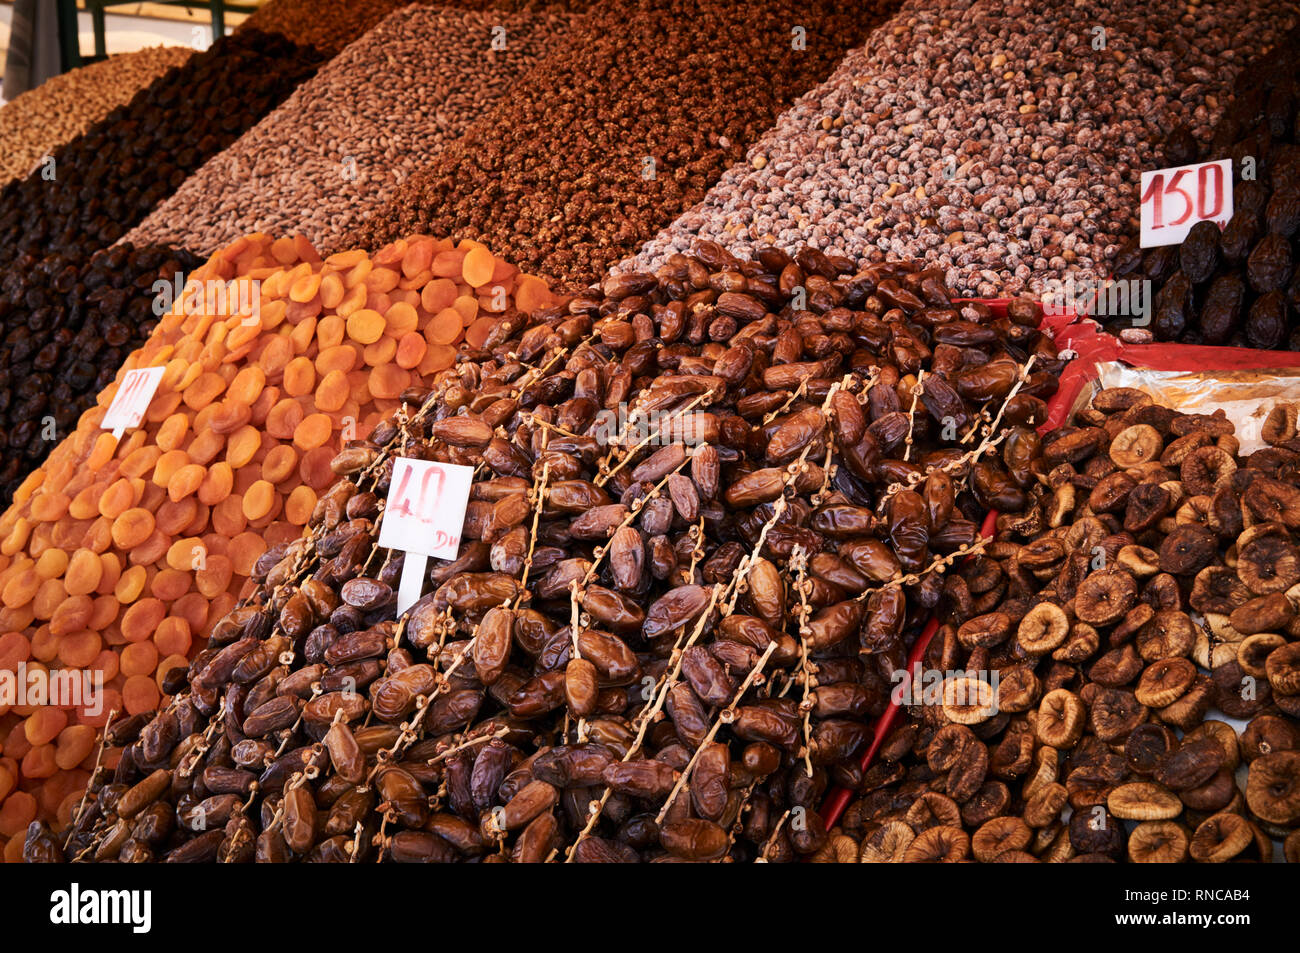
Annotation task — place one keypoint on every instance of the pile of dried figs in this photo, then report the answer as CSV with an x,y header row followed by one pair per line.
x,y
1121,664
712,506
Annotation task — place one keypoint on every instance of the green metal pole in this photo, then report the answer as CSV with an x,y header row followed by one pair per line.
x,y
69,46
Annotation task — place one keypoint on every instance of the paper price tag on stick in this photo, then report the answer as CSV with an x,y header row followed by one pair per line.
x,y
132,399
1173,200
423,516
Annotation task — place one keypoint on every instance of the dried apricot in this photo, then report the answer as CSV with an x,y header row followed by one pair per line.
x,y
381,352
245,550
298,507
173,636
130,585
228,516
140,694
410,349
151,550
214,576
279,464
314,430
365,326
284,419
314,468
139,658
75,745
332,393
78,649
439,357
72,615
478,266
258,500
331,289
84,570
141,619
217,484
170,584
445,327
51,563
299,377
243,446
205,389
132,528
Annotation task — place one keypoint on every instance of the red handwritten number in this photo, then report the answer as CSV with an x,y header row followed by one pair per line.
x,y
1155,196
1209,186
1187,199
425,503
1203,188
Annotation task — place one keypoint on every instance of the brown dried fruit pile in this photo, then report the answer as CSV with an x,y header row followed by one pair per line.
x,y
597,587
330,25
1239,285
338,148
65,106
1152,581
624,128
118,556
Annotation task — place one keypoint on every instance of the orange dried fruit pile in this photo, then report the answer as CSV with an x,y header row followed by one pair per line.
x,y
117,555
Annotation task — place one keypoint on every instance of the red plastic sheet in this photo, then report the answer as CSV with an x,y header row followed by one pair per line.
x,y
1092,346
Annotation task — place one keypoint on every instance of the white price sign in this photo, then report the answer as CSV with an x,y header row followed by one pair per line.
x,y
423,516
132,399
1173,200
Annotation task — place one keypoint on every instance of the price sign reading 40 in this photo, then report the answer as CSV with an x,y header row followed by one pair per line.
x,y
1173,200
426,507
423,516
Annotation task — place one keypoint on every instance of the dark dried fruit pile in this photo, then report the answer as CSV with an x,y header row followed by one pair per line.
x,y
108,179
641,652
1150,588
1239,286
68,323
622,130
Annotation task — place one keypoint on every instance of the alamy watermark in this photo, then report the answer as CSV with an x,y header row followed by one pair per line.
x,y
932,686
1120,298
655,428
61,688
241,297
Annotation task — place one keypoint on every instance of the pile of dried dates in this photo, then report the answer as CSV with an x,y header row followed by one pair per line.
x,y
712,507
1239,286
1149,590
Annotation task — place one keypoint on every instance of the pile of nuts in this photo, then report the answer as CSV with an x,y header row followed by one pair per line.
x,y
995,141
1151,580
1238,285
65,106
704,521
99,185
118,556
330,25
68,324
343,142
622,128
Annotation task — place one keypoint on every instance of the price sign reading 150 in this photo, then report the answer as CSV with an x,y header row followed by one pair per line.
x,y
1173,200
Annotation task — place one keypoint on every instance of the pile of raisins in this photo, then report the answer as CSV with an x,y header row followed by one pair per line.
x,y
68,324
92,191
